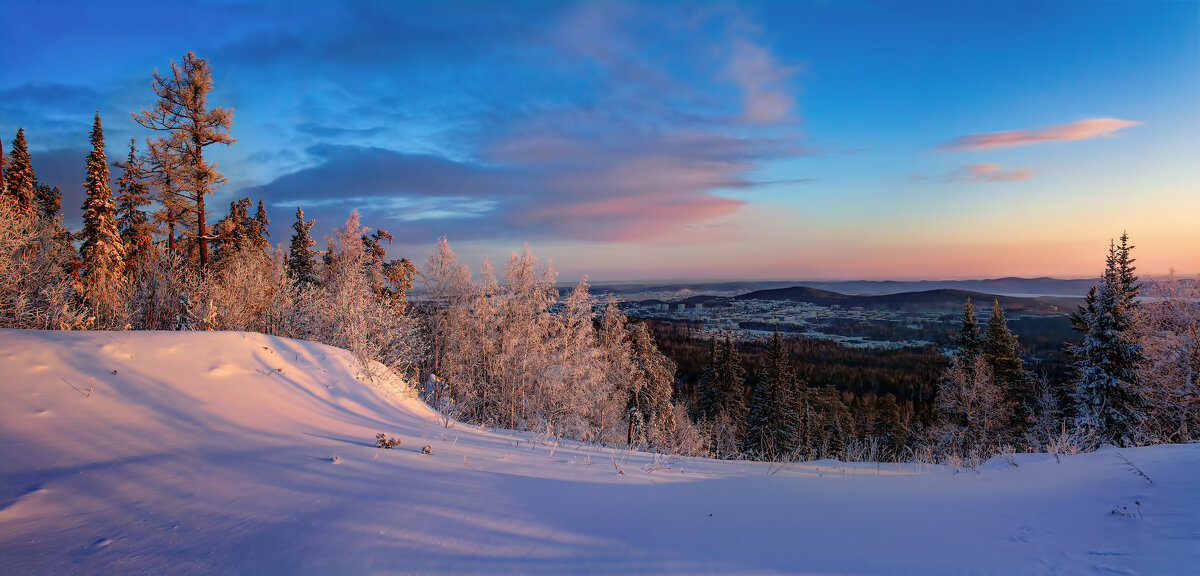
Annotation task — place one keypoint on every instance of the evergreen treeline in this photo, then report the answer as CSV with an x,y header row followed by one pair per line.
x,y
510,352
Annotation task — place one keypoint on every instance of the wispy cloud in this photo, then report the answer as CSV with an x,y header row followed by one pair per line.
x,y
987,173
764,83
601,127
1079,130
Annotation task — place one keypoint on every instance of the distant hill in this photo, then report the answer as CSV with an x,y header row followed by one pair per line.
x,y
1010,286
940,300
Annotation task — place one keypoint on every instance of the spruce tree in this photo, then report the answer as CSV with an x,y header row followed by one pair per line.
x,y
967,340
889,427
231,234
722,400
18,174
1108,397
258,228
102,252
132,223
301,261
773,422
1001,353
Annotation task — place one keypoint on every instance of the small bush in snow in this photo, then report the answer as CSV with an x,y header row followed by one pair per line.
x,y
427,449
382,441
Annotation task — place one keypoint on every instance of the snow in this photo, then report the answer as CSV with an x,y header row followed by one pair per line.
x,y
152,452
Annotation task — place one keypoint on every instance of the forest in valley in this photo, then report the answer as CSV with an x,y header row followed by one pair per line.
x,y
504,348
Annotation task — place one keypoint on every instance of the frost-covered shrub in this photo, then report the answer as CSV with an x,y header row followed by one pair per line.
x,y
382,441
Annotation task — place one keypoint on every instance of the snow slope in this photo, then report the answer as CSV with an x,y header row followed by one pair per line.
x,y
154,453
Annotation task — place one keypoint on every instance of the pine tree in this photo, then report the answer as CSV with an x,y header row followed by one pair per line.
x,y
182,112
1001,353
102,252
132,223
18,174
301,261
1108,396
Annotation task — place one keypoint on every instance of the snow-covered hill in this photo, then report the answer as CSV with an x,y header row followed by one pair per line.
x,y
156,453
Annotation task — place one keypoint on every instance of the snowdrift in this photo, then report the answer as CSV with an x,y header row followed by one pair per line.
x,y
152,453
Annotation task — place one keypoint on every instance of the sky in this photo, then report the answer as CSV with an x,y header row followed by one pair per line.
x,y
664,140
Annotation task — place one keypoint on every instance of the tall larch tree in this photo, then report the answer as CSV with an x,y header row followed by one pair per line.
x,y
18,174
1108,396
102,252
183,114
163,170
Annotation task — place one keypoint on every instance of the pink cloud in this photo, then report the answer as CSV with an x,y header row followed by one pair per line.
x,y
1079,130
987,173
763,81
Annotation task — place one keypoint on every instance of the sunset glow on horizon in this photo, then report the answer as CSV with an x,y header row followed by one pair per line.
x,y
648,140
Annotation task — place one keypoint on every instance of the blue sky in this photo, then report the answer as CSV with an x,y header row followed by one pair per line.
x,y
821,140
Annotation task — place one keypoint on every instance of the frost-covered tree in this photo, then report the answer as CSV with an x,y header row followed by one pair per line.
x,y
1108,391
975,412
523,320
37,291
189,125
1171,372
651,418
19,180
573,382
102,252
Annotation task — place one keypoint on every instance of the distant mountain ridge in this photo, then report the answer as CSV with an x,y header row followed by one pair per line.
x,y
938,300
1008,286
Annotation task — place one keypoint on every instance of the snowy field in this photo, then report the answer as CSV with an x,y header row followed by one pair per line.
x,y
177,453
